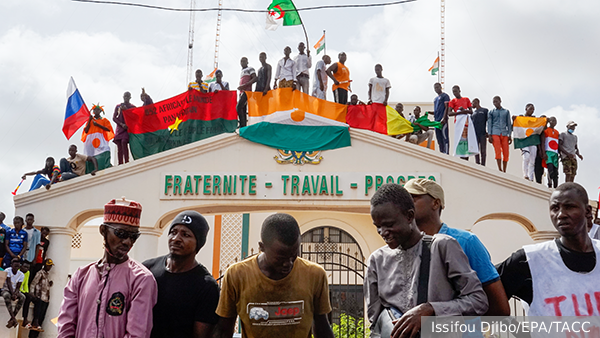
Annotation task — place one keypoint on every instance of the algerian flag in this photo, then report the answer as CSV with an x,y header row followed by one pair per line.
x,y
320,44
527,130
282,12
211,77
436,66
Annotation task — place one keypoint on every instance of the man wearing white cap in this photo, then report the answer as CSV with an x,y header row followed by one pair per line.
x,y
114,296
567,146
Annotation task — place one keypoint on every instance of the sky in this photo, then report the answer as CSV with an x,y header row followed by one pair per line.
x,y
538,51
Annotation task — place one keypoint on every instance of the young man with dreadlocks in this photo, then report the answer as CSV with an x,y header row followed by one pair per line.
x,y
114,296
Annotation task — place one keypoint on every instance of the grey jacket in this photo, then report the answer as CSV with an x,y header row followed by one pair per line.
x,y
454,288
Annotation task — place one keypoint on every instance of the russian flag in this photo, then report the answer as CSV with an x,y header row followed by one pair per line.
x,y
77,112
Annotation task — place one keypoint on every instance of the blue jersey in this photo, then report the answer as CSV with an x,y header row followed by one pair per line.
x,y
439,106
16,241
479,257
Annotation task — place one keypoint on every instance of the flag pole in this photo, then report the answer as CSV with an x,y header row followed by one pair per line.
x,y
324,43
438,72
305,35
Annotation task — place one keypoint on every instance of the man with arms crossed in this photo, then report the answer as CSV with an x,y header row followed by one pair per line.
x,y
276,294
187,293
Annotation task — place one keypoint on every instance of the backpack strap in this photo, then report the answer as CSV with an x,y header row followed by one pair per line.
x,y
423,287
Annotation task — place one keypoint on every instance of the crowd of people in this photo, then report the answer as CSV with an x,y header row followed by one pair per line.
x,y
425,268
23,251
494,126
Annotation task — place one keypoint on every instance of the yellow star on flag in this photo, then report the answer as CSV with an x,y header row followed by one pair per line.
x,y
175,126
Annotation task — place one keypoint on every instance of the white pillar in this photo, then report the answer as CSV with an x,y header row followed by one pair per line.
x,y
146,246
60,253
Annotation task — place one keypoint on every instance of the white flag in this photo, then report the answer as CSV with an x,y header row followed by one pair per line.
x,y
274,20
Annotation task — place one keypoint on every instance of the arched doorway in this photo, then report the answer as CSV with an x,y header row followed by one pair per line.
x,y
343,260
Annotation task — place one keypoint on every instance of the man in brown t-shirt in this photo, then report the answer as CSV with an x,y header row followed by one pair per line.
x,y
277,293
75,164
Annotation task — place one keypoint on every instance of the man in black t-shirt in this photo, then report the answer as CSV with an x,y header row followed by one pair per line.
x,y
479,117
557,278
187,294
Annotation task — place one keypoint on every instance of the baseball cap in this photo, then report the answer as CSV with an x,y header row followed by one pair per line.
x,y
571,123
422,186
48,262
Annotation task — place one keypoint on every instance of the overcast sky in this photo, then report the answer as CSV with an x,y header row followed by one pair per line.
x,y
540,51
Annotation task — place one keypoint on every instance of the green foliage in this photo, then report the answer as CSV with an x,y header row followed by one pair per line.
x,y
350,327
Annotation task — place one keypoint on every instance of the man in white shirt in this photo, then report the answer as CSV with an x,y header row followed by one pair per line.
x,y
320,84
379,87
11,292
286,71
303,64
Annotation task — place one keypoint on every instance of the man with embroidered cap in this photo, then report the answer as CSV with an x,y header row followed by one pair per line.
x,y
187,294
114,296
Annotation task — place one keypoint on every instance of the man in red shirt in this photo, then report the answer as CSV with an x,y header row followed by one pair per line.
x,y
458,106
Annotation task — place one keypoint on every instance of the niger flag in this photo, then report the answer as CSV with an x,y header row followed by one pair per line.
x,y
527,131
185,118
291,120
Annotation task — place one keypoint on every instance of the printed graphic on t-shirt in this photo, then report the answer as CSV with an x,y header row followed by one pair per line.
x,y
275,313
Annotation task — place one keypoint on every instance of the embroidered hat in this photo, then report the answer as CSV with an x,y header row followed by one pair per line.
x,y
123,211
422,186
195,222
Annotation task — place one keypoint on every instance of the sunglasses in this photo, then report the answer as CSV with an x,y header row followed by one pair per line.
x,y
123,234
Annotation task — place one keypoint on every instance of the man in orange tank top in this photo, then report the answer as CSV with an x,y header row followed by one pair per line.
x,y
340,74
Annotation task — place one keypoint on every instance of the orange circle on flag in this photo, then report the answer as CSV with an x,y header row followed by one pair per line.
x,y
96,143
529,132
297,116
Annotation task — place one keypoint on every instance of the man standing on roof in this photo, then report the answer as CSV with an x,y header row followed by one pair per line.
x,y
479,117
114,296
320,82
263,81
340,74
440,105
198,85
286,71
247,79
379,87
567,145
499,129
303,64
122,134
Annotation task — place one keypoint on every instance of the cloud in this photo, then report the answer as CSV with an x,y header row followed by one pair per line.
x,y
534,51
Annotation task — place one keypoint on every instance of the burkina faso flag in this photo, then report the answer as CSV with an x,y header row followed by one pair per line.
x,y
185,118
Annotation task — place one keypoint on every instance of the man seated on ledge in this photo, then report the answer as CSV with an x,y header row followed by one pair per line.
x,y
75,164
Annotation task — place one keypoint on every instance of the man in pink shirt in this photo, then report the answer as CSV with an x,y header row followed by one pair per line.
x,y
113,297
